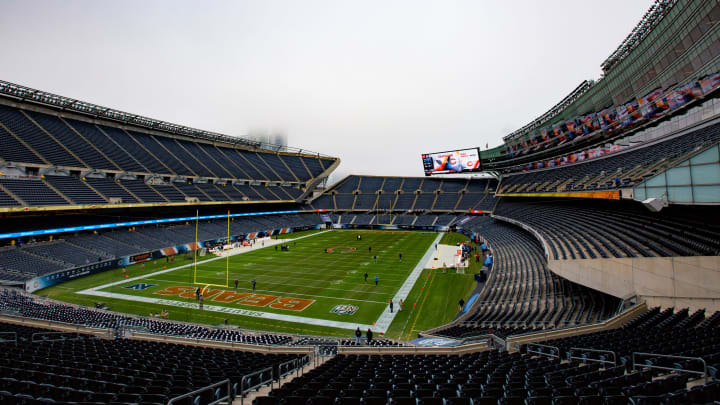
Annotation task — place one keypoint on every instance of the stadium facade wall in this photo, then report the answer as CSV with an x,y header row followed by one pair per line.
x,y
681,282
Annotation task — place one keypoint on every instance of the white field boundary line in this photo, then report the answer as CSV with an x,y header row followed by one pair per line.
x,y
383,322
310,277
283,293
230,310
88,291
215,308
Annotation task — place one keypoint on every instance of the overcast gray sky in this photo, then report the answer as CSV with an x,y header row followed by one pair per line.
x,y
376,83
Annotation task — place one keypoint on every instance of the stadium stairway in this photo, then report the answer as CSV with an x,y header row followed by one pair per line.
x,y
8,198
265,390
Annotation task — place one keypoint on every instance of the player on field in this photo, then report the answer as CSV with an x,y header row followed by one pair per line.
x,y
236,283
366,276
253,284
377,278
400,256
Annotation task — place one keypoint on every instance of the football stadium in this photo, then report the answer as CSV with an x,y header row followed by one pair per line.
x,y
577,262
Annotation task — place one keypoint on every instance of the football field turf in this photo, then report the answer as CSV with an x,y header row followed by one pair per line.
x,y
303,284
303,290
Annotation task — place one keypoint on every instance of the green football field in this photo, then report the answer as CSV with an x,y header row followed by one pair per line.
x,y
304,290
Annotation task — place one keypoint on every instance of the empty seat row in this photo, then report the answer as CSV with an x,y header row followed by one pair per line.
x,y
41,138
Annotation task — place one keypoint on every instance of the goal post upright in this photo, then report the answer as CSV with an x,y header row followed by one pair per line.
x,y
197,219
227,256
222,249
389,211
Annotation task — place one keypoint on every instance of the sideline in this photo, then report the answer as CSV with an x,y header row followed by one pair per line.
x,y
91,290
381,325
383,322
216,308
229,310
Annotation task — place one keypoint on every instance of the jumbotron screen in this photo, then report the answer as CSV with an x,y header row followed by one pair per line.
x,y
457,161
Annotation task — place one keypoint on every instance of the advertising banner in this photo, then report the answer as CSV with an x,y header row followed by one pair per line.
x,y
48,280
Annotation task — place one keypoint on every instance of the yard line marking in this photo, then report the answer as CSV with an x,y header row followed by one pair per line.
x,y
419,311
411,310
183,266
381,325
386,318
295,293
266,270
230,310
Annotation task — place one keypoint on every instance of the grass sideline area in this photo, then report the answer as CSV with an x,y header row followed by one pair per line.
x,y
454,238
307,279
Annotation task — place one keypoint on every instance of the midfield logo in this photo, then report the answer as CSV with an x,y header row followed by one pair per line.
x,y
139,286
344,309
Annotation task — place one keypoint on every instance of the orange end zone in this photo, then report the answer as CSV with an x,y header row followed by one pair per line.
x,y
254,300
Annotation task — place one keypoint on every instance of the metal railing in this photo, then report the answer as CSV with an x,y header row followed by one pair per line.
x,y
301,363
216,398
704,373
247,379
8,337
325,350
553,348
283,369
586,350
45,336
492,340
